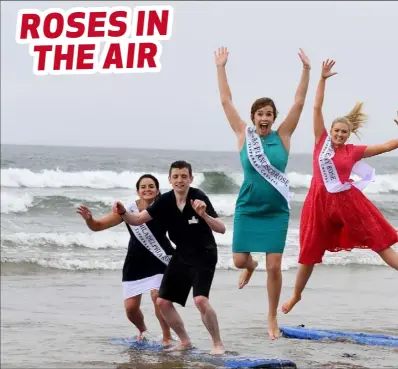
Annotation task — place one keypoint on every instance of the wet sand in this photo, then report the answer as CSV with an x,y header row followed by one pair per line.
x,y
66,319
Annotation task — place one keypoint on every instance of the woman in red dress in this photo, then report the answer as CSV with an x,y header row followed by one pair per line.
x,y
336,215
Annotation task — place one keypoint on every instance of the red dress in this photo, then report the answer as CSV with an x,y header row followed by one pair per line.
x,y
343,220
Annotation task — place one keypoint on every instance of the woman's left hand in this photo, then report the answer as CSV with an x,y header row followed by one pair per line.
x,y
304,59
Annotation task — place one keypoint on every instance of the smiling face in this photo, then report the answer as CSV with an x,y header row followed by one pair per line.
x,y
147,189
263,119
180,179
339,133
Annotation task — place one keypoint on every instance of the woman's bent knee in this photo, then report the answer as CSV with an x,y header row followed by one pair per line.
x,y
132,304
241,259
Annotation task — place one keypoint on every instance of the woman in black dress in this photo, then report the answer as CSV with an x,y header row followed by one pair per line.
x,y
149,252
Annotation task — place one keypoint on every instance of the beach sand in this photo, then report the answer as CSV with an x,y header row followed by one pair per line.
x,y
55,318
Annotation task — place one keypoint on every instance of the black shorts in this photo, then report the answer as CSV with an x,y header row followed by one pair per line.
x,y
180,277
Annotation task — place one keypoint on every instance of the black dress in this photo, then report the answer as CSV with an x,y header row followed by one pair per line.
x,y
142,270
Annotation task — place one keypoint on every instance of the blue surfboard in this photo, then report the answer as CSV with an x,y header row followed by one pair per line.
x,y
226,361
301,332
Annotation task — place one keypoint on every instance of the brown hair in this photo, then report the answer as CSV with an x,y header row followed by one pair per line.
x,y
261,103
181,164
355,119
150,176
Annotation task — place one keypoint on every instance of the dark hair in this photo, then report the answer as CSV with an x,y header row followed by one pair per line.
x,y
260,103
150,176
181,164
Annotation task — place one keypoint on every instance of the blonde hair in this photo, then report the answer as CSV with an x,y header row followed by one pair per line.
x,y
355,119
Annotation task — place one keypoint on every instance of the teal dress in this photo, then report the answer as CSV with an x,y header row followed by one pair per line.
x,y
261,213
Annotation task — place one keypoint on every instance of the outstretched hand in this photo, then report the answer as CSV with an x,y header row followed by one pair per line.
x,y
221,56
199,206
84,212
118,208
327,69
304,59
396,120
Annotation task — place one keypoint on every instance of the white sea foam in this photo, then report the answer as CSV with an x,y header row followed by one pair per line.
x,y
15,177
106,251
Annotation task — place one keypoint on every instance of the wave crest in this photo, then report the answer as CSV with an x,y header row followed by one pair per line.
x,y
214,182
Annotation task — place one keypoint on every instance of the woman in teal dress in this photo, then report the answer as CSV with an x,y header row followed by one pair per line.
x,y
262,208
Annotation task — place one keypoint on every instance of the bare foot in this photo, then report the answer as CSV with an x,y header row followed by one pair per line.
x,y
289,305
182,346
141,336
273,329
217,349
246,275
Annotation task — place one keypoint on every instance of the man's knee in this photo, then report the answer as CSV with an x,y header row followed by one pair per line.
x,y
163,304
201,302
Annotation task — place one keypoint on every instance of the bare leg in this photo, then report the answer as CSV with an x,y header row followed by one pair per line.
x,y
173,319
209,319
303,275
274,286
246,262
134,314
167,340
390,257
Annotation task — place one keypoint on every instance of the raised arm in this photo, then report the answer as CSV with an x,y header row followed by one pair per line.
x,y
319,124
289,125
135,219
236,123
108,221
374,150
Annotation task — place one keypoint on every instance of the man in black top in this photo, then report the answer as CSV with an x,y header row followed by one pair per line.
x,y
190,220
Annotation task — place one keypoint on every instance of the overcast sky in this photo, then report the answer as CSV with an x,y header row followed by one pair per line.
x,y
179,107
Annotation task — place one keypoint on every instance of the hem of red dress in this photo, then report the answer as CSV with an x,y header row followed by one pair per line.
x,y
382,247
310,262
363,247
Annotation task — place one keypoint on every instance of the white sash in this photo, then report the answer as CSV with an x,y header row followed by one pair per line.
x,y
330,176
262,165
148,240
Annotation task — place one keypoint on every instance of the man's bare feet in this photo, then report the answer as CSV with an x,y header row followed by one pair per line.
x,y
246,275
273,329
218,349
289,304
182,346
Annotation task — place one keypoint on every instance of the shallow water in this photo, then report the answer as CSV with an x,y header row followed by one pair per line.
x,y
52,318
